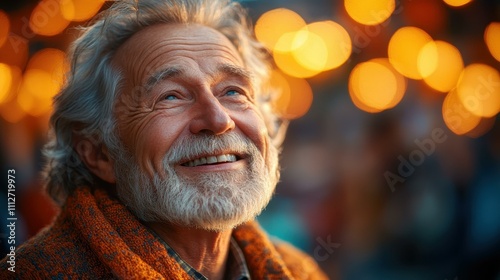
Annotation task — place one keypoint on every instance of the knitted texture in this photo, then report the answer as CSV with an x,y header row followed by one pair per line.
x,y
96,237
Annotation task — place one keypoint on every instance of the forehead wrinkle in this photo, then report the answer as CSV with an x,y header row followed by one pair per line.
x,y
151,57
205,46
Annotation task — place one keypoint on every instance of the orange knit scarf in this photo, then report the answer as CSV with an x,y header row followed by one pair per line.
x,y
130,251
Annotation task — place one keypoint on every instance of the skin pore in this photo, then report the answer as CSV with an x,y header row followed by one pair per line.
x,y
183,80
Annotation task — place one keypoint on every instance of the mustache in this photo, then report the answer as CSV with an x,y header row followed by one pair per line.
x,y
195,146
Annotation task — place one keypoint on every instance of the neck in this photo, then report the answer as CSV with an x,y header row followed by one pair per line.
x,y
206,251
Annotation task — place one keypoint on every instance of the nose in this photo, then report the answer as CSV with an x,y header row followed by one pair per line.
x,y
211,117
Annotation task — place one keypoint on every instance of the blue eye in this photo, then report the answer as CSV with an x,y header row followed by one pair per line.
x,y
170,97
232,92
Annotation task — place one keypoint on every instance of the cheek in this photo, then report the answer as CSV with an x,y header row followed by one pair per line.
x,y
253,126
149,138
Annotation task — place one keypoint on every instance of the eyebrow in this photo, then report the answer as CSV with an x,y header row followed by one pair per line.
x,y
233,70
239,73
174,71
160,75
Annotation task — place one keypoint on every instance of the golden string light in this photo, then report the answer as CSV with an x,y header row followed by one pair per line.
x,y
456,117
80,10
295,95
457,3
479,90
370,12
492,39
375,85
440,65
47,18
404,48
300,51
273,24
5,81
42,80
337,42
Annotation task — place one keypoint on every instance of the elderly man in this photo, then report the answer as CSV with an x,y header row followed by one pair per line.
x,y
163,150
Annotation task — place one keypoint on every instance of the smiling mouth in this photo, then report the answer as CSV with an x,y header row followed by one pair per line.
x,y
208,160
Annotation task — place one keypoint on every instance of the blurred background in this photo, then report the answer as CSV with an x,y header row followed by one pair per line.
x,y
391,166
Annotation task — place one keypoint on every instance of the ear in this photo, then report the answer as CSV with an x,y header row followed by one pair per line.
x,y
97,160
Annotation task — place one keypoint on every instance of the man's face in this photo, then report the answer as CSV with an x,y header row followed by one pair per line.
x,y
195,145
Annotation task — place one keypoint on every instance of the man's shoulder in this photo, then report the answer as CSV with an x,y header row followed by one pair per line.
x,y
55,251
298,262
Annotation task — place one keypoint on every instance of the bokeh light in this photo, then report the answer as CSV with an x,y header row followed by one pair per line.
x,y
4,27
479,90
80,10
369,12
36,92
309,50
485,125
285,57
440,65
12,112
273,24
14,51
404,48
295,95
492,39
13,79
47,18
315,48
51,61
337,42
5,81
456,117
42,80
457,3
376,86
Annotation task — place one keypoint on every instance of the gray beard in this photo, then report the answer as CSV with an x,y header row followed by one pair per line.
x,y
214,201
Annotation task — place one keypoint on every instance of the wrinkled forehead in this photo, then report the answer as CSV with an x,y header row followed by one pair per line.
x,y
154,46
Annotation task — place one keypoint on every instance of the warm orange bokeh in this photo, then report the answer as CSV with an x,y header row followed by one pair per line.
x,y
404,48
376,86
6,78
285,59
492,39
80,10
273,24
14,51
295,95
369,12
457,3
42,80
457,118
4,27
337,41
47,19
479,90
440,64
309,50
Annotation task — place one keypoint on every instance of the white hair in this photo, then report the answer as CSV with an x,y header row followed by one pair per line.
x,y
84,106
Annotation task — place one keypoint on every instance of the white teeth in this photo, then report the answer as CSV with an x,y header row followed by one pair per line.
x,y
211,160
221,158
